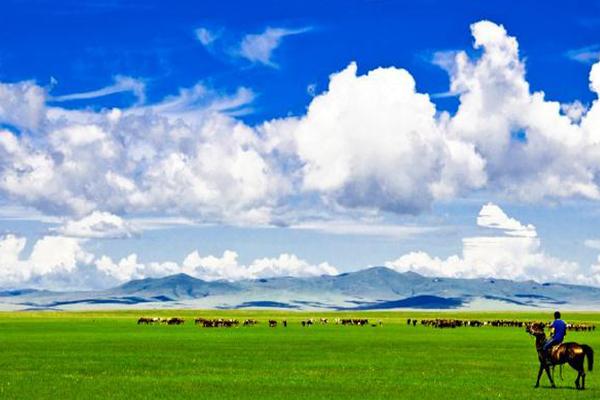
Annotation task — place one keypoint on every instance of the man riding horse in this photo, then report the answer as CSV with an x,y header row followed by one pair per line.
x,y
558,329
554,352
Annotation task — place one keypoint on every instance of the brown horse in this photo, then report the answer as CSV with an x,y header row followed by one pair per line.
x,y
571,353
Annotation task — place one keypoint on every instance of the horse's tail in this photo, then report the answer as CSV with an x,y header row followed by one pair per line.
x,y
590,356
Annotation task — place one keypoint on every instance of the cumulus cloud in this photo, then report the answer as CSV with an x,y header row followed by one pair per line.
x,y
575,110
50,256
492,216
185,155
531,150
514,254
22,105
369,142
374,141
97,225
228,267
60,262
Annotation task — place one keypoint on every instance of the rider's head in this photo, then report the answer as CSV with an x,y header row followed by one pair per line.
x,y
556,314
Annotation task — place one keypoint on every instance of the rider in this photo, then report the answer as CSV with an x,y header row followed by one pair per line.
x,y
560,330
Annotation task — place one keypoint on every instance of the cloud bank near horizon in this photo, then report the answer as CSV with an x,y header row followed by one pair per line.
x,y
509,249
513,251
61,262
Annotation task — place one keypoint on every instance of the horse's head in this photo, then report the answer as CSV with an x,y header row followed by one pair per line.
x,y
536,329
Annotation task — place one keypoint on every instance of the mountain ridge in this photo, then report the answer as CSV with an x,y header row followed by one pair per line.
x,y
375,287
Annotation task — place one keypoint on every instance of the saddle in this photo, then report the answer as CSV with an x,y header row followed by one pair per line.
x,y
553,352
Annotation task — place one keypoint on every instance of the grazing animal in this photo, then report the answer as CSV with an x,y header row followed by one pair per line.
x,y
571,353
354,321
218,323
272,323
285,323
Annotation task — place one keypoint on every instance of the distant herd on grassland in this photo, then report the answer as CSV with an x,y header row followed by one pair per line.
x,y
231,323
498,323
434,323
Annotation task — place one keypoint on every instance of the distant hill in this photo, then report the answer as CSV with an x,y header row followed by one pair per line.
x,y
176,287
368,289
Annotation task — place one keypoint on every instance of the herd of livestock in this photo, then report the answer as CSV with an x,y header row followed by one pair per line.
x,y
498,323
434,323
231,323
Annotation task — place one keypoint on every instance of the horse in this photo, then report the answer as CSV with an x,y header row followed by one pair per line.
x,y
571,353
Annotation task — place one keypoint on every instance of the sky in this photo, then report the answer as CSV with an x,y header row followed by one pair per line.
x,y
238,141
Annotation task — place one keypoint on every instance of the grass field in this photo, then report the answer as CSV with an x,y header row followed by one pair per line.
x,y
106,355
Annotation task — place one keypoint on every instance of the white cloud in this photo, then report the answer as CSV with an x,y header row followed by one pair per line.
x,y
59,262
553,158
592,244
97,225
22,104
289,265
364,228
160,222
575,110
492,216
373,141
50,256
259,48
369,142
228,267
184,155
516,254
205,36
122,84
19,213
586,55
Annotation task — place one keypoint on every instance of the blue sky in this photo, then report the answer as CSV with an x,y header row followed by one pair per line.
x,y
164,131
84,46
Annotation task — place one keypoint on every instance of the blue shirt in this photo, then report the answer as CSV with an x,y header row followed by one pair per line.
x,y
560,329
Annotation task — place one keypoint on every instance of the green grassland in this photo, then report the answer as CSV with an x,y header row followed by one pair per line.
x,y
106,355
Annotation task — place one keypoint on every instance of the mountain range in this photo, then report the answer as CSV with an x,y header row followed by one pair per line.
x,y
369,289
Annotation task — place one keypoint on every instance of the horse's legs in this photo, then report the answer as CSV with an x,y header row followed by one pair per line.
x,y
578,366
537,383
547,368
